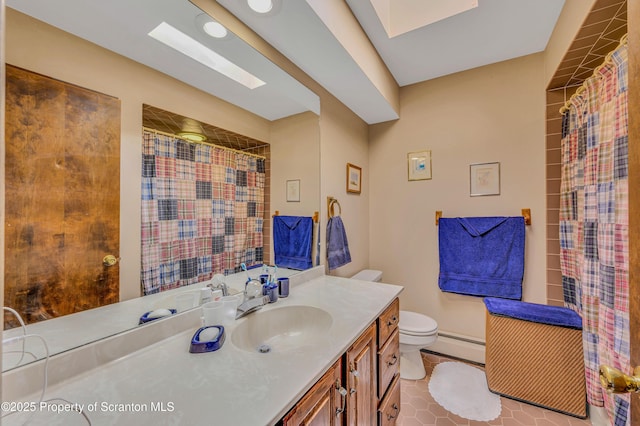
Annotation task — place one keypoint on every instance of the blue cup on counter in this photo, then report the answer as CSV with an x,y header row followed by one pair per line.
x,y
272,292
283,287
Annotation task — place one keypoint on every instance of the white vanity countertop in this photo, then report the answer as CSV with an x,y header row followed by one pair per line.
x,y
230,386
72,331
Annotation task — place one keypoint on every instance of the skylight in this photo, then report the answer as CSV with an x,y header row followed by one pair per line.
x,y
401,16
197,51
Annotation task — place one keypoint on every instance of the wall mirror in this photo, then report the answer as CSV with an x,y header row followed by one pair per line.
x,y
286,113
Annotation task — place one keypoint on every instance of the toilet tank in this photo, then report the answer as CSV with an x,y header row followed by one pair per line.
x,y
368,275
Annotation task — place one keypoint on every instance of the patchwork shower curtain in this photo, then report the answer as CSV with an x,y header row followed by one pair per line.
x,y
202,211
594,224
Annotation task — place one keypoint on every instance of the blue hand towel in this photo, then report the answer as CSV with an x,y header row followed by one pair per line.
x,y
482,256
337,245
292,240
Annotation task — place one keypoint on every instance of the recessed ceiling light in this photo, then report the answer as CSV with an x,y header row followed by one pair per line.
x,y
210,26
215,29
197,51
260,6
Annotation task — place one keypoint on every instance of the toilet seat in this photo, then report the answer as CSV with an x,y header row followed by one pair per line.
x,y
430,333
415,324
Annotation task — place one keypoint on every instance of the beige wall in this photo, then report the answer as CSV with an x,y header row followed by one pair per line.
x,y
296,137
494,113
344,139
46,50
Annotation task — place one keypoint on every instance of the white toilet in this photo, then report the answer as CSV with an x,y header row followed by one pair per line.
x,y
417,331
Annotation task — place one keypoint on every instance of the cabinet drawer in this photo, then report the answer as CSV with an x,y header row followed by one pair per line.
x,y
390,406
388,362
388,322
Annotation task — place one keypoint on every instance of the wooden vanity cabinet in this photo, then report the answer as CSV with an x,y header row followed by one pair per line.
x,y
361,379
366,378
389,364
322,404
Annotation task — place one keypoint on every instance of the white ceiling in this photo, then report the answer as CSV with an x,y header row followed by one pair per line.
x,y
494,31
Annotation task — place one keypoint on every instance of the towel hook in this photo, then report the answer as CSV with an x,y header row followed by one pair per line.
x,y
331,202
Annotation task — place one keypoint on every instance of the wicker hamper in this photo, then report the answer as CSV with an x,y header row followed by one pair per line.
x,y
535,362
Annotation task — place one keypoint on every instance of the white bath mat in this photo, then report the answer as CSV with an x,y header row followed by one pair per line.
x,y
462,390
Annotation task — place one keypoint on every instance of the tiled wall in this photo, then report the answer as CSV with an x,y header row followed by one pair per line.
x,y
555,100
600,34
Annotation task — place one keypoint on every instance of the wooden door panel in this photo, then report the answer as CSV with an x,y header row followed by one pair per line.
x,y
321,414
319,405
62,196
362,379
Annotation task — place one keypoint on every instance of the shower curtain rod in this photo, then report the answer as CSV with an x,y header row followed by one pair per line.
x,y
607,60
159,132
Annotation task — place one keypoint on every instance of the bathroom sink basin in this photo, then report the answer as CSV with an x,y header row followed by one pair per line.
x,y
281,329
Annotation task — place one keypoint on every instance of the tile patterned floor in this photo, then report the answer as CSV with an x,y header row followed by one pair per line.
x,y
419,408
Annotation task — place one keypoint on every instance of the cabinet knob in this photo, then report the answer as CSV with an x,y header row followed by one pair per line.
x,y
395,412
393,321
394,360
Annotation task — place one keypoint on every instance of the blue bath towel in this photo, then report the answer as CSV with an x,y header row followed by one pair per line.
x,y
482,256
337,245
292,241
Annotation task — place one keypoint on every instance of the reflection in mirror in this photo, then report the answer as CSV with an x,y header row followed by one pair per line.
x,y
203,199
61,153
292,139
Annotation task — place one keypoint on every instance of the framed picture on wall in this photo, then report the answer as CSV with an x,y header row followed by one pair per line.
x,y
354,178
419,165
293,191
484,179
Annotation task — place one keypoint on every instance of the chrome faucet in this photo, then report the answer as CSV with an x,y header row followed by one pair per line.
x,y
218,279
253,299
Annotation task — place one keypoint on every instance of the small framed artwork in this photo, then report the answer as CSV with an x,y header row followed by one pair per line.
x,y
293,191
419,165
484,179
354,178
